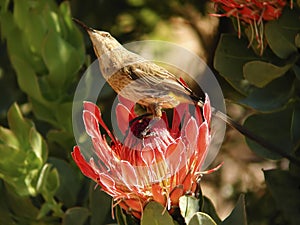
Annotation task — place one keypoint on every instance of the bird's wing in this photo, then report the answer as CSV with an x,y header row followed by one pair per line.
x,y
153,75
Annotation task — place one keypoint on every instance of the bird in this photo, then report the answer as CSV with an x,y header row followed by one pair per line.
x,y
138,79
152,86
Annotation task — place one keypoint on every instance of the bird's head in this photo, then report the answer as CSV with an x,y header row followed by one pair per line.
x,y
103,41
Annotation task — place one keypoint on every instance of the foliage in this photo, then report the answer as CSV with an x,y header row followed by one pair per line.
x,y
42,55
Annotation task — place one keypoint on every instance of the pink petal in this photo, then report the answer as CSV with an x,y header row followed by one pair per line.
x,y
175,157
93,109
108,185
123,117
85,168
103,151
127,103
147,156
129,176
91,124
207,110
203,140
202,146
191,134
198,115
178,114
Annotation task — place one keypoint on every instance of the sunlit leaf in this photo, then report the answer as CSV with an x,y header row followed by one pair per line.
x,y
8,138
27,79
20,126
48,182
61,58
38,145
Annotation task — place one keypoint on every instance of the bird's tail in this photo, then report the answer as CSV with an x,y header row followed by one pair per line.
x,y
252,136
247,133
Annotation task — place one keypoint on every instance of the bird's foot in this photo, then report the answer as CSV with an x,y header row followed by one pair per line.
x,y
147,131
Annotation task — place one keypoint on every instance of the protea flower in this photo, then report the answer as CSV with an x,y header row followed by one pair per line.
x,y
160,166
253,13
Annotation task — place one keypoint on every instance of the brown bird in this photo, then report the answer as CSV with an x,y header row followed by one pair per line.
x,y
152,86
137,79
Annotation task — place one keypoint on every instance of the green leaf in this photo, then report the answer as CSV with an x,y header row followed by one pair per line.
x,y
73,34
61,59
69,182
61,137
281,33
41,112
19,126
277,40
261,73
76,216
273,97
16,171
62,115
48,182
188,207
20,206
155,213
297,40
125,219
21,13
209,209
8,138
285,190
6,216
201,218
264,125
38,145
295,128
238,214
120,216
27,79
100,206
44,210
34,31
296,70
228,91
231,55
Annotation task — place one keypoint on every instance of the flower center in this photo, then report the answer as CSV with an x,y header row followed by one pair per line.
x,y
139,127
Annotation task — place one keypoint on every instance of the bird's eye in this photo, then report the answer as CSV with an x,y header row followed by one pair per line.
x,y
105,34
